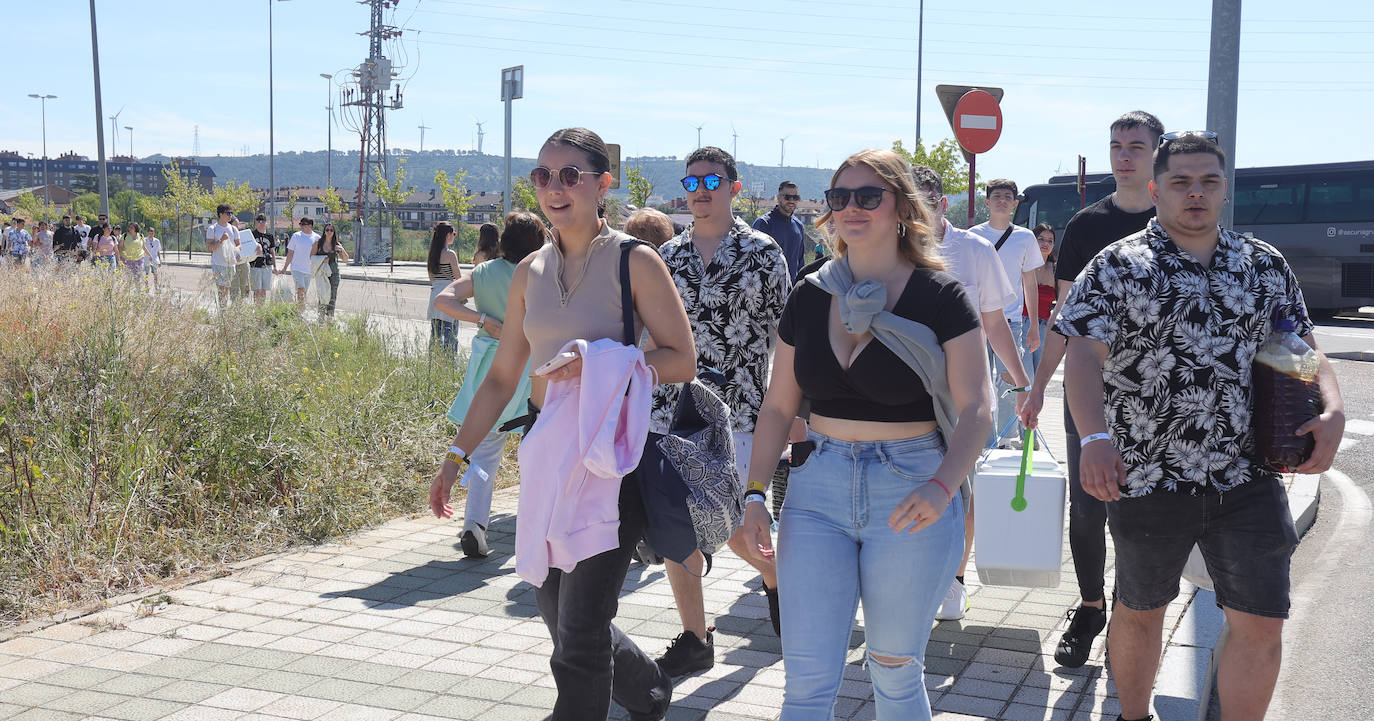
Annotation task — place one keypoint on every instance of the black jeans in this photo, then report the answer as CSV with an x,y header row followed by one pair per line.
x,y
333,287
1087,523
593,661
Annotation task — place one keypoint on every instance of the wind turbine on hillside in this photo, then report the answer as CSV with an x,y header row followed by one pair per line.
x,y
734,141
480,134
699,127
114,130
782,151
423,128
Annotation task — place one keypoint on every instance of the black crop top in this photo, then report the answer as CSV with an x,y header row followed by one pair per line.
x,y
878,386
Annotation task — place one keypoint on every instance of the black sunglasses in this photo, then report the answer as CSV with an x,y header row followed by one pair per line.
x,y
867,197
791,196
568,176
692,182
1208,135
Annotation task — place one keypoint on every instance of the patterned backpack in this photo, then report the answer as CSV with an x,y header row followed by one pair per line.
x,y
688,479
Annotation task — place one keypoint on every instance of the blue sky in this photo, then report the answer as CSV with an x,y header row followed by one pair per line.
x,y
833,77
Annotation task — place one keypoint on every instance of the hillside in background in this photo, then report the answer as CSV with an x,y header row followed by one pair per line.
x,y
485,171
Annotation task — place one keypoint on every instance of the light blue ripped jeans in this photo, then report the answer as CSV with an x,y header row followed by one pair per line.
x,y
835,548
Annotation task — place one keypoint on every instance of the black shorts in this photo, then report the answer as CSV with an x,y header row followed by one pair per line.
x,y
1246,535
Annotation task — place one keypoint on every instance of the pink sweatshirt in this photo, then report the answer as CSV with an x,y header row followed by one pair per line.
x,y
589,434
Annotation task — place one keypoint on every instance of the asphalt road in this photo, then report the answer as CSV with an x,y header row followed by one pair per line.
x,y
1328,665
402,307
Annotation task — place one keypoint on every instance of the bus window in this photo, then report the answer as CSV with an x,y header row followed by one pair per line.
x,y
1341,199
1268,200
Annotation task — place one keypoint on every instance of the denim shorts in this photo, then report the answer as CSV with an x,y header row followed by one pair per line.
x,y
261,278
1246,535
302,280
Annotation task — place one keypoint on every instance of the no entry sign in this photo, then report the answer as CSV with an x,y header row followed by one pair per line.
x,y
977,121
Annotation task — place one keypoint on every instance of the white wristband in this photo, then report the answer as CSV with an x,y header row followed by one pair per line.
x,y
755,498
459,451
1094,437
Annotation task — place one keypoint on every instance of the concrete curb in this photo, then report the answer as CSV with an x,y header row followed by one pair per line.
x,y
375,273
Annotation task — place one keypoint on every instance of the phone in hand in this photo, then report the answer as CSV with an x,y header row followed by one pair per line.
x,y
557,362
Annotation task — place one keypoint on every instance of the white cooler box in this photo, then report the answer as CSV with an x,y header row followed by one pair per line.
x,y
1018,547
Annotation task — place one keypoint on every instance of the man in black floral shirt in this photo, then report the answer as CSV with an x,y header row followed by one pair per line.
x,y
734,282
1163,326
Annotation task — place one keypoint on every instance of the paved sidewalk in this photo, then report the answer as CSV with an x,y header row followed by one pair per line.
x,y
393,624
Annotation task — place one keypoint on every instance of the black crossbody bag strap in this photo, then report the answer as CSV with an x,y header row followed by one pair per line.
x,y
627,299
1004,237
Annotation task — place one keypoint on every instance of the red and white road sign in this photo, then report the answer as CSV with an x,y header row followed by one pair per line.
x,y
977,121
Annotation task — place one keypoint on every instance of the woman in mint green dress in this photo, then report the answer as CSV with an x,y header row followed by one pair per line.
x,y
489,285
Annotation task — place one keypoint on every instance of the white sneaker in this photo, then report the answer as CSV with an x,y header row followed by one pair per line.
x,y
474,540
955,603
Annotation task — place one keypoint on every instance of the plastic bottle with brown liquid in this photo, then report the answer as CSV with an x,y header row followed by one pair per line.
x,y
1286,396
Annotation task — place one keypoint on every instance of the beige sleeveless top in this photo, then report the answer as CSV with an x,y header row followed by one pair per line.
x,y
566,304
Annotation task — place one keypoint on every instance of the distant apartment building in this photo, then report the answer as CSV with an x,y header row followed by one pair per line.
x,y
16,171
420,211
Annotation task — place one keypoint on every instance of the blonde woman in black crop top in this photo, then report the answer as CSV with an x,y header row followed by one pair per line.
x,y
874,512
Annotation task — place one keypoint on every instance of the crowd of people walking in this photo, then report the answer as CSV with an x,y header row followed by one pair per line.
x,y
134,249
875,377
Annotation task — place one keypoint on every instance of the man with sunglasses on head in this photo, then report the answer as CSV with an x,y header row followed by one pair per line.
x,y
973,262
785,228
1177,313
1127,210
734,282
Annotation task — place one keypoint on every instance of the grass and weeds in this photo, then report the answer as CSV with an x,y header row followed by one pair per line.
x,y
142,438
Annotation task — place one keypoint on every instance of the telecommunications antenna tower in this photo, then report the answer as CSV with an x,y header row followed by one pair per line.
x,y
370,92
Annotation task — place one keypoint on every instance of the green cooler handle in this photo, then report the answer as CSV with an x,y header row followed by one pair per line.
x,y
1018,502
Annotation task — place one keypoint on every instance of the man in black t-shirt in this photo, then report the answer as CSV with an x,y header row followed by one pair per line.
x,y
1125,212
260,268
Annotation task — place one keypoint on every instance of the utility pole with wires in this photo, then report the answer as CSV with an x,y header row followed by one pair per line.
x,y
368,93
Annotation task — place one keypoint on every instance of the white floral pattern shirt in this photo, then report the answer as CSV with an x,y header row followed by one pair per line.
x,y
734,304
1181,338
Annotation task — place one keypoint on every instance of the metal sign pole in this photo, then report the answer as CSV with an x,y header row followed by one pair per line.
x,y
972,159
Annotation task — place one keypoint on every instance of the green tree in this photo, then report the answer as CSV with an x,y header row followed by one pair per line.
x,y
454,192
523,197
749,207
945,158
288,210
958,212
395,192
183,196
640,187
33,209
239,196
332,202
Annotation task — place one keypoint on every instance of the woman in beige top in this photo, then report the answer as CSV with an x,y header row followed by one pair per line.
x,y
569,289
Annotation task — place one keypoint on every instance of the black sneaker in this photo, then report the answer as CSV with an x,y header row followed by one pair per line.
x,y
687,654
1085,622
773,614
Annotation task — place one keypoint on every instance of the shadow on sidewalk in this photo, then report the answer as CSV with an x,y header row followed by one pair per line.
x,y
457,576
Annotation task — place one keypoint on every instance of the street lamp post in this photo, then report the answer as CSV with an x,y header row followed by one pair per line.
x,y
329,129
43,101
512,88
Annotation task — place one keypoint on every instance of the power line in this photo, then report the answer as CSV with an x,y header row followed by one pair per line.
x,y
1071,80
